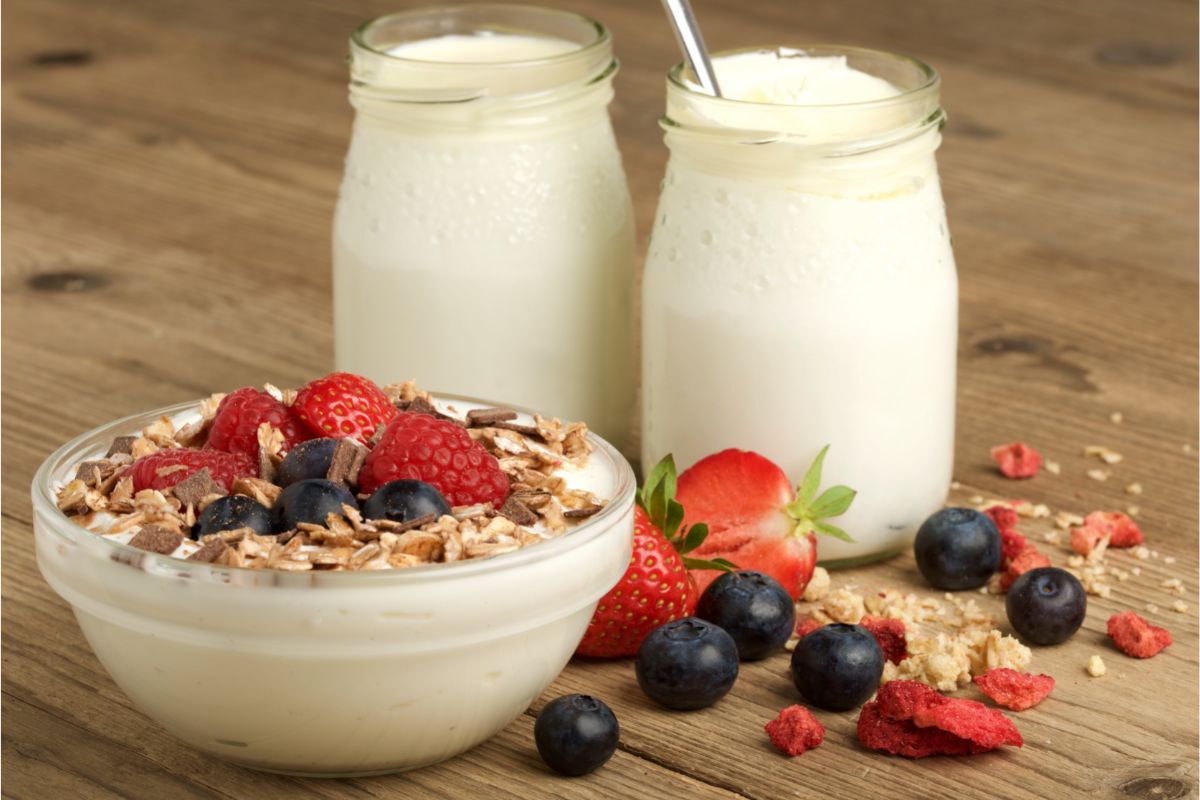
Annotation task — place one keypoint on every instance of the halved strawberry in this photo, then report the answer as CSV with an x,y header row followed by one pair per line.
x,y
343,405
657,586
756,520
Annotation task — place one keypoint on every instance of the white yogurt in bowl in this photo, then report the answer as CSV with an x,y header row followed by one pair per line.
x,y
332,673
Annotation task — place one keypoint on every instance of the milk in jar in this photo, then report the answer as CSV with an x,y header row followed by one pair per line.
x,y
800,288
483,239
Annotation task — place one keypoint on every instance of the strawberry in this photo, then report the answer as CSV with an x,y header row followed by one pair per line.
x,y
163,469
756,520
657,586
343,405
235,426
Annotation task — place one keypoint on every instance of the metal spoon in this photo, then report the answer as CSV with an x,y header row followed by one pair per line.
x,y
687,33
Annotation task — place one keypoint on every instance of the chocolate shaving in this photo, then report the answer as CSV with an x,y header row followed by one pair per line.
x,y
92,472
402,404
193,489
210,551
348,458
419,405
156,539
121,444
516,511
483,417
390,526
581,513
525,430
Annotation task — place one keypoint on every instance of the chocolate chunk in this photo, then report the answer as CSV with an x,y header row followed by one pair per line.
x,y
210,551
347,460
121,444
194,488
419,405
582,513
388,526
483,417
525,430
516,511
87,472
156,539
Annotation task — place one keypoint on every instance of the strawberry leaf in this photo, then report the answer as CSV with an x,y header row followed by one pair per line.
x,y
658,491
834,531
833,502
694,538
812,479
673,520
719,564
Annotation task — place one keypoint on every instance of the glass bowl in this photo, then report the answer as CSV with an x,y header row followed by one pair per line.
x,y
331,673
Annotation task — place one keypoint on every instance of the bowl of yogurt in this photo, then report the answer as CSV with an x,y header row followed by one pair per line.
x,y
333,672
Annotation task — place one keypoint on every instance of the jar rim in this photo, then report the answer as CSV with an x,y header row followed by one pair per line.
x,y
602,37
930,78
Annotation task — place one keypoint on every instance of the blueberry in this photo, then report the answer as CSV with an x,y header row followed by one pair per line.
x,y
309,501
306,460
752,608
687,664
230,513
837,667
957,548
403,500
576,734
1046,605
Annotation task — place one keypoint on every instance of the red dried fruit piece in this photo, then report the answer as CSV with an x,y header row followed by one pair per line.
x,y
1135,637
1014,690
1085,539
806,625
902,738
1123,531
795,730
985,728
1027,559
163,469
1005,517
1012,544
1017,460
890,634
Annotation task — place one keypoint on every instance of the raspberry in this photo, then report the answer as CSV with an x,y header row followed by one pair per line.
x,y
425,448
982,728
1014,690
1135,637
1005,517
235,426
1017,460
1027,559
795,730
903,738
343,405
891,636
163,469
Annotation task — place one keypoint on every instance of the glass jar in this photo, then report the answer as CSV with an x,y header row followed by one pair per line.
x,y
483,239
800,290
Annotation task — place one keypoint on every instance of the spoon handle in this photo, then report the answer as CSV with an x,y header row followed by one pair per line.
x,y
691,42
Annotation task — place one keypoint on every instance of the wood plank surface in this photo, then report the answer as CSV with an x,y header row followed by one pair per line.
x,y
169,175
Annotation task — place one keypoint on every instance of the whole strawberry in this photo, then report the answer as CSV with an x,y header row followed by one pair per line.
x,y
163,469
235,426
756,520
657,586
425,448
343,405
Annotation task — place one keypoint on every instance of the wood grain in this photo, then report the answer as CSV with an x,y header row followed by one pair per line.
x,y
170,170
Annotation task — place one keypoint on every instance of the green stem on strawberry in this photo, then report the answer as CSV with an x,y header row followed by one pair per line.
x,y
809,509
657,499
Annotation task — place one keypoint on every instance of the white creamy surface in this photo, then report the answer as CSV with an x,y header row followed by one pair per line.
x,y
490,256
483,47
803,305
786,76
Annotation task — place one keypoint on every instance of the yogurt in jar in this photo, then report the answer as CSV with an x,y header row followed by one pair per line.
x,y
484,211
800,288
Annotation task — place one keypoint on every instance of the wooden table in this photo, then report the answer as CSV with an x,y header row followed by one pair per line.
x,y
170,175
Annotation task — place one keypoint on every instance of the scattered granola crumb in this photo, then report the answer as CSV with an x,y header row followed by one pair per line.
x,y
955,486
817,586
1173,585
1133,488
1151,608
1187,448
1179,606
1141,553
1105,454
1168,559
1133,510
1099,474
1136,570
1115,417
1052,537
843,605
1053,467
1095,667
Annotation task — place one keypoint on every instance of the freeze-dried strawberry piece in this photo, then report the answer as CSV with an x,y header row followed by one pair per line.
x,y
985,728
1012,544
1135,637
1005,517
1017,460
1124,532
1027,559
806,625
890,634
1014,690
1085,539
902,738
795,730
